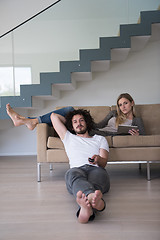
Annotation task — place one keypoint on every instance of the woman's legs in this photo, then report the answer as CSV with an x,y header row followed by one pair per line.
x,y
46,118
19,120
31,123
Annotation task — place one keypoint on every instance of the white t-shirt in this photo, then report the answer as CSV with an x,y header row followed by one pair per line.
x,y
111,126
79,149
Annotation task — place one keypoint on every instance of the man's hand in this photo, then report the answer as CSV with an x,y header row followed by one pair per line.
x,y
101,161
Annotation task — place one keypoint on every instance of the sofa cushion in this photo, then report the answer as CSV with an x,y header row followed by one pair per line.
x,y
109,140
136,141
55,142
56,155
97,112
134,154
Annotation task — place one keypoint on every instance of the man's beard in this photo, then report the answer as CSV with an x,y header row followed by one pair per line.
x,y
83,131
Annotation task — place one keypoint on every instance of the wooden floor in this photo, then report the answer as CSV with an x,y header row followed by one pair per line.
x,y
35,211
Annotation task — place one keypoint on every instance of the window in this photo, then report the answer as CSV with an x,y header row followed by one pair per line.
x,y
11,79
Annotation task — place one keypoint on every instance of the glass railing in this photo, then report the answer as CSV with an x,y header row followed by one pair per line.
x,y
57,35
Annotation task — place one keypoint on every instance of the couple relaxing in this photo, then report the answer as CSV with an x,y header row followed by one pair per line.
x,y
87,148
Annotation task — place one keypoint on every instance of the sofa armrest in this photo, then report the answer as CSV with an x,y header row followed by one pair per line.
x,y
43,132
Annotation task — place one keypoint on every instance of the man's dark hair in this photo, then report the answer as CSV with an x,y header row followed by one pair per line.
x,y
87,117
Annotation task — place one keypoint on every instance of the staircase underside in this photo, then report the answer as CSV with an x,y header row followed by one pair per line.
x,y
133,37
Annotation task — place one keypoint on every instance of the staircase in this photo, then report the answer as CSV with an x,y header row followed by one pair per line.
x,y
132,37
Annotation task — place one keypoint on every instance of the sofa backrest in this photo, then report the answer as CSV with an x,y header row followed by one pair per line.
x,y
97,112
150,114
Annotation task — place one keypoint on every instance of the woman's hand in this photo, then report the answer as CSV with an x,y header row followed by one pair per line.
x,y
134,132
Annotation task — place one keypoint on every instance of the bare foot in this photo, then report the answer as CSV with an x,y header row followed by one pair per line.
x,y
86,209
19,120
96,201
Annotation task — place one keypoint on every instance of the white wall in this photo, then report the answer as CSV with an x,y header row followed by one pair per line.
x,y
15,12
138,75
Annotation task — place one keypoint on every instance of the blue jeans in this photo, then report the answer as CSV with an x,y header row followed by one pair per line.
x,y
46,118
87,179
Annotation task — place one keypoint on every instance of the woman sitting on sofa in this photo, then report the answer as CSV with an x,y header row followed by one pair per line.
x,y
124,115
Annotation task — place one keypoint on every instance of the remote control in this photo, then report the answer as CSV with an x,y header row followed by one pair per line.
x,y
91,159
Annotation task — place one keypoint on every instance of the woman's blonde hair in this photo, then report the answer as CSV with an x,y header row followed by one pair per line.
x,y
121,118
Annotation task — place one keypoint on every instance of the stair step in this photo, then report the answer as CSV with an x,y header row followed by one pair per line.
x,y
100,66
133,37
155,32
119,54
139,42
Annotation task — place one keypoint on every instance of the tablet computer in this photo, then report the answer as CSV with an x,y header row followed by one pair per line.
x,y
124,129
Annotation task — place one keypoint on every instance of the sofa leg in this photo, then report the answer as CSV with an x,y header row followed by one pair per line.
x,y
50,166
148,171
38,172
140,166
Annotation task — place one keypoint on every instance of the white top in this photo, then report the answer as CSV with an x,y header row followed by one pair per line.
x,y
111,126
79,149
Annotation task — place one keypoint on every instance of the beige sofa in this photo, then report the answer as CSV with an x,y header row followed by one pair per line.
x,y
141,149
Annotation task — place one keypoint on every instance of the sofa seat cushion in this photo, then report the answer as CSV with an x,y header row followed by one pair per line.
x,y
56,155
136,141
109,140
55,142
134,154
